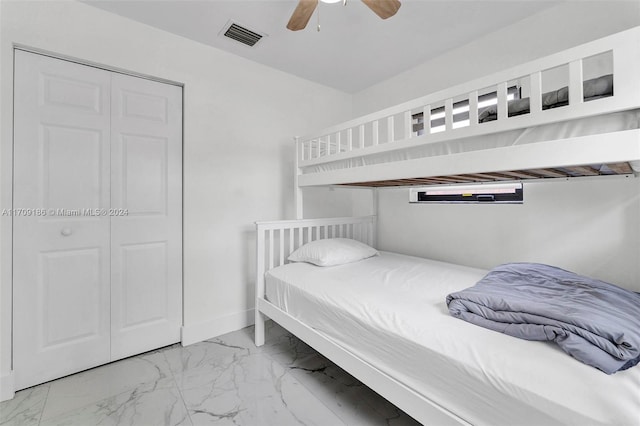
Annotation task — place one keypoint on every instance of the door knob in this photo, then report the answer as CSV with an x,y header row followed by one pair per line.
x,y
66,232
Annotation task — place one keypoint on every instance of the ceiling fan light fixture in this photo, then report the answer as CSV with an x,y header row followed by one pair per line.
x,y
305,8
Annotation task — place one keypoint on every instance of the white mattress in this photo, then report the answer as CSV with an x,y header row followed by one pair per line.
x,y
607,123
390,310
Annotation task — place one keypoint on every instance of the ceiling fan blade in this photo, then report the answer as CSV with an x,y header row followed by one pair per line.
x,y
383,8
302,14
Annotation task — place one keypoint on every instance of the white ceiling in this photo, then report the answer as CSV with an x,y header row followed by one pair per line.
x,y
354,49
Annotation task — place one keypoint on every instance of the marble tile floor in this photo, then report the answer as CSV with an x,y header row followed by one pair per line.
x,y
222,381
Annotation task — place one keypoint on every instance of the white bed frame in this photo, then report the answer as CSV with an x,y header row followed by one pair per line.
x,y
391,129
275,241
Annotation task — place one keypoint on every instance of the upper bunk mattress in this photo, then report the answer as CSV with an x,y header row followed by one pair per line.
x,y
608,123
390,311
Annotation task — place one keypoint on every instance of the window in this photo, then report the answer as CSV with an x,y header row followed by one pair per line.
x,y
499,193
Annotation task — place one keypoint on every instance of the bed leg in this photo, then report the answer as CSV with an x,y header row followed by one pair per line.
x,y
259,326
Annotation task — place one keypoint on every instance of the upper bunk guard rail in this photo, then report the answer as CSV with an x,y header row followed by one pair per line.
x,y
525,162
379,132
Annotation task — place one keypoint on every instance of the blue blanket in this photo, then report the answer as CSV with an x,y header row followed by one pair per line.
x,y
595,322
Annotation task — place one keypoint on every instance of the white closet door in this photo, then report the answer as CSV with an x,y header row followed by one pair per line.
x,y
146,241
61,257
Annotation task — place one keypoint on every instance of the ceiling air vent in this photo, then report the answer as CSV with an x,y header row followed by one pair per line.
x,y
241,34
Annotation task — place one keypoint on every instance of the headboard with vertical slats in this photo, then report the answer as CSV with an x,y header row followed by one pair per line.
x,y
277,240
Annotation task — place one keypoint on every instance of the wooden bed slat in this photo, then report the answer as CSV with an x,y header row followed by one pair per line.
x,y
522,174
583,170
620,168
553,173
492,176
474,178
565,172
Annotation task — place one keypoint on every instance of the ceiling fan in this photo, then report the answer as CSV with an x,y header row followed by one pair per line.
x,y
301,15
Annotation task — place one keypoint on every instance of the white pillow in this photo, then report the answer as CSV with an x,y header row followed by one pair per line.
x,y
332,251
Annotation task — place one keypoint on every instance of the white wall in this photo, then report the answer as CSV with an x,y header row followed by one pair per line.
x,y
569,24
238,151
586,225
338,202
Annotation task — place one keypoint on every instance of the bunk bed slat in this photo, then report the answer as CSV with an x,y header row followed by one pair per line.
x,y
426,119
492,176
521,174
583,170
408,125
503,104
448,114
473,108
281,246
620,168
472,178
291,237
576,171
575,82
552,173
375,136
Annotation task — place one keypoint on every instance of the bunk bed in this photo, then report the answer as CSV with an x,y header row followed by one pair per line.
x,y
554,118
452,136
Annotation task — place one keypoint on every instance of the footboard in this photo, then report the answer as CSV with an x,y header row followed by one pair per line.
x,y
278,239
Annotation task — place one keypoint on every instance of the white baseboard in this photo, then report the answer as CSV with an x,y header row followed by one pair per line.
x,y
7,388
216,327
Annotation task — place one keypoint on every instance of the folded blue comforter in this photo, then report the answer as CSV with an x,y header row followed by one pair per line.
x,y
595,322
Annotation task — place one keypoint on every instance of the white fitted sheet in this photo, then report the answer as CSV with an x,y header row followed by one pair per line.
x,y
390,311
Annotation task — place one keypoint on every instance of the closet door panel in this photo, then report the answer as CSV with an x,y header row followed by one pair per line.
x,y
61,271
144,174
146,238
144,270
